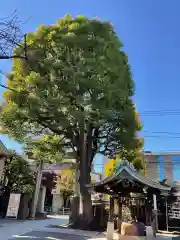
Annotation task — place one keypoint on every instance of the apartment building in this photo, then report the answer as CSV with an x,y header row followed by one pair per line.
x,y
163,165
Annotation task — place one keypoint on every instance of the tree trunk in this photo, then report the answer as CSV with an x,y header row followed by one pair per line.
x,y
74,217
84,178
84,155
75,200
23,208
82,221
86,199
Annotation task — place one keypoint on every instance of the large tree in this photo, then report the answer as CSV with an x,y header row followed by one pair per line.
x,y
74,93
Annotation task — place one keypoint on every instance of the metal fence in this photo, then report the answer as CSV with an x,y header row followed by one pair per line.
x,y
62,211
173,219
48,209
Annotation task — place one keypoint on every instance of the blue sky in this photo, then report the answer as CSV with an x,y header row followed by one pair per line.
x,y
151,35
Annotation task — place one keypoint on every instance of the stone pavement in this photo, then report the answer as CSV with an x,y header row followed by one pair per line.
x,y
41,235
45,235
11,228
67,234
60,234
44,230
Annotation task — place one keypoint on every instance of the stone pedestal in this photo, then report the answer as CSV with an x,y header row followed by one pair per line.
x,y
110,230
149,233
57,202
110,224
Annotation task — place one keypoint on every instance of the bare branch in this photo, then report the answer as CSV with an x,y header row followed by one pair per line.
x,y
11,57
10,37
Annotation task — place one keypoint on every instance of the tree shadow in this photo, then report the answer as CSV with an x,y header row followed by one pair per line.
x,y
51,235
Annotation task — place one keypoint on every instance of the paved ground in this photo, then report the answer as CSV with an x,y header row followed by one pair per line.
x,y
43,230
69,235
11,228
41,235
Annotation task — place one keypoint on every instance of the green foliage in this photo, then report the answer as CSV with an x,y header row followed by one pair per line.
x,y
19,176
47,148
74,93
137,161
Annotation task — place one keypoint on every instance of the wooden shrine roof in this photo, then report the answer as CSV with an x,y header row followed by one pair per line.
x,y
129,179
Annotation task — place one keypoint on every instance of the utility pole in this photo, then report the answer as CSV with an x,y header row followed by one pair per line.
x,y
37,189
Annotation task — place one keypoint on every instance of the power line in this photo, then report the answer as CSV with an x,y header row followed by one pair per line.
x,y
159,136
162,132
160,111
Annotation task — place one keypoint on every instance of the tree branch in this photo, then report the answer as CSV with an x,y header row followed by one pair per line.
x,y
11,37
89,144
94,143
11,57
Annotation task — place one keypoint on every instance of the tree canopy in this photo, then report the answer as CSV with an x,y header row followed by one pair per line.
x,y
73,93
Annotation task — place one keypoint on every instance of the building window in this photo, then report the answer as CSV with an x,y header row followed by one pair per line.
x,y
160,167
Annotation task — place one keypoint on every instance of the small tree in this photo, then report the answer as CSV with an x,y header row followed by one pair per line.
x,y
20,179
66,180
66,184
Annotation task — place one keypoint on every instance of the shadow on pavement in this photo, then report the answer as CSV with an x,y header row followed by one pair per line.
x,y
67,227
64,226
167,237
41,235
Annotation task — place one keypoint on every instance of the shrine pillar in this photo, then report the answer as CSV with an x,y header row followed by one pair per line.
x,y
165,194
110,224
119,215
155,213
167,220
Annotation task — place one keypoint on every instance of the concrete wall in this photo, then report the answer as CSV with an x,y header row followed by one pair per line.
x,y
168,165
151,165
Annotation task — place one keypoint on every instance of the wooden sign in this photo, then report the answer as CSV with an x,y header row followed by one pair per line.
x,y
13,205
